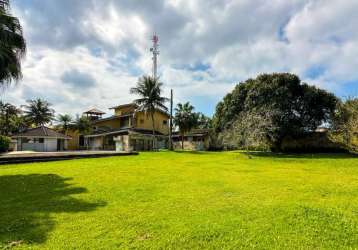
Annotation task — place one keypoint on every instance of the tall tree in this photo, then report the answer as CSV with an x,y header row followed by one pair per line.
x,y
64,121
12,45
149,90
298,107
185,119
38,112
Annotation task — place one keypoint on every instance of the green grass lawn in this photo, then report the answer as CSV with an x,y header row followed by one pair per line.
x,y
182,201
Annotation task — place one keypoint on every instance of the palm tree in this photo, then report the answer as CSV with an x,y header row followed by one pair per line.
x,y
149,90
83,125
38,112
185,119
12,45
64,121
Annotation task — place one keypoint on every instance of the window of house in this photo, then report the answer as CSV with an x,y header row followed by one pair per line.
x,y
38,140
124,122
165,122
141,121
25,140
109,140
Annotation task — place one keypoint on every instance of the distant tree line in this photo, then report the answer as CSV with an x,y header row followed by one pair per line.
x,y
38,112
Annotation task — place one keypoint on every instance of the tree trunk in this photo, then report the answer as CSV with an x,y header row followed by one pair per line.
x,y
153,126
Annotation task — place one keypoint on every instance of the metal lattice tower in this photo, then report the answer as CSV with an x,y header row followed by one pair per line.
x,y
155,51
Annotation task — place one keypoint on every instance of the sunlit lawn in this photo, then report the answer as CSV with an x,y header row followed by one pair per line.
x,y
182,201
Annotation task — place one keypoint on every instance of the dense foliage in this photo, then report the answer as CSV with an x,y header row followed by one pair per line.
x,y
4,143
346,124
292,107
11,120
12,45
250,130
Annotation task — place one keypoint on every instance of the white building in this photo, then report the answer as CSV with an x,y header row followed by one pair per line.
x,y
40,139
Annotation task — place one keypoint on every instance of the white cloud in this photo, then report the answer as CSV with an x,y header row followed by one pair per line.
x,y
206,46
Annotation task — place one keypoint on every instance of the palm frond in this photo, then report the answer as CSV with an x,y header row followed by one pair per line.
x,y
12,45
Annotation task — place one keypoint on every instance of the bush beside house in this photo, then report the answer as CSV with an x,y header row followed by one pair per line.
x,y
4,143
314,142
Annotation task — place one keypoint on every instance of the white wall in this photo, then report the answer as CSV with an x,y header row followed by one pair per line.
x,y
50,145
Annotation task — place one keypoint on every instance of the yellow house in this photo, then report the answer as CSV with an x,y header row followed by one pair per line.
x,y
128,129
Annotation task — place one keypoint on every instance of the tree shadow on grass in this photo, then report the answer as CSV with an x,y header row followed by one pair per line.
x,y
301,156
27,203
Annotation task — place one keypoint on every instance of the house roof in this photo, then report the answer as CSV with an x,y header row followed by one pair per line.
x,y
42,132
94,111
106,119
113,117
123,131
125,105
136,107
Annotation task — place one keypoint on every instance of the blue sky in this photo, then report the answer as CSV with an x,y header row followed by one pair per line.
x,y
87,53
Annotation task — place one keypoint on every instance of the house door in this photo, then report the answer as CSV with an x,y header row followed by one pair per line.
x,y
60,145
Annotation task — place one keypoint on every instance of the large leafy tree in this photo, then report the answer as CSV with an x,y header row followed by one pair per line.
x,y
296,107
149,90
12,45
185,119
38,112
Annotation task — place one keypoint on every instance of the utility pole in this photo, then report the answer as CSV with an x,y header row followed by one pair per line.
x,y
155,52
171,121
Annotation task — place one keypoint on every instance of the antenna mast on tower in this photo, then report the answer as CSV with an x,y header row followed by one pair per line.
x,y
155,51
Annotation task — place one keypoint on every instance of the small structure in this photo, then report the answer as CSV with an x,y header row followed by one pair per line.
x,y
40,139
94,114
196,139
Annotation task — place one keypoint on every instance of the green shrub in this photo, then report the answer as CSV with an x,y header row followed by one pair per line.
x,y
4,143
312,143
